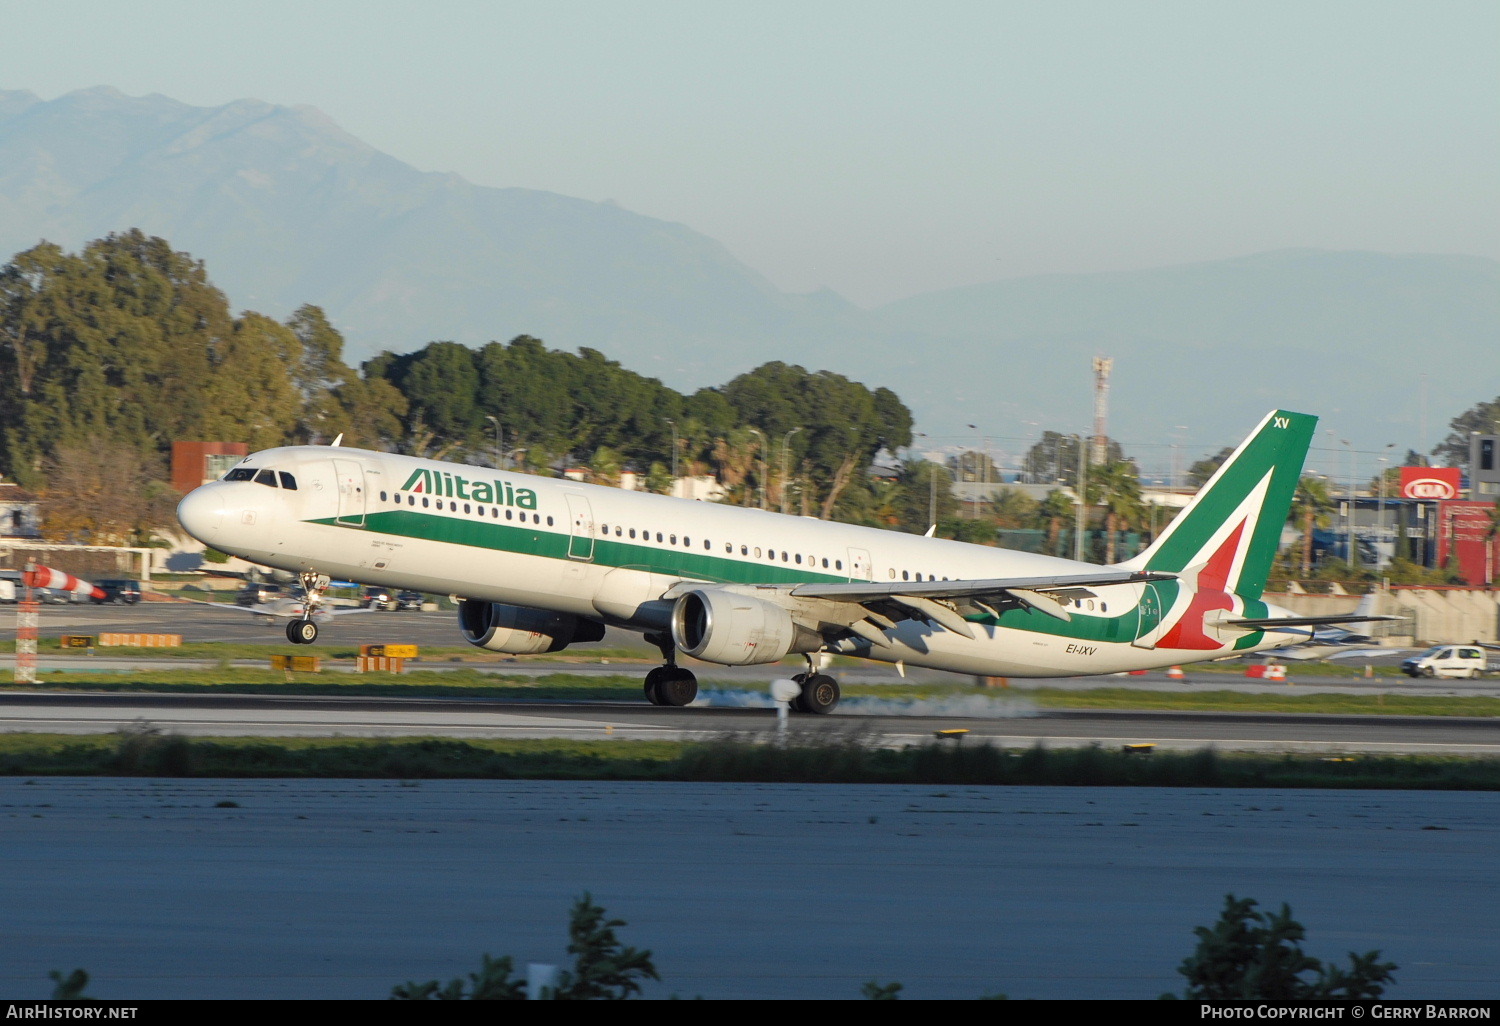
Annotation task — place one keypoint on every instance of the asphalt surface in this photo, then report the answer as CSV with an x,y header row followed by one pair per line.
x,y
247,889
732,699
340,889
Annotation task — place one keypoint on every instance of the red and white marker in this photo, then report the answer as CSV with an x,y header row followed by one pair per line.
x,y
46,577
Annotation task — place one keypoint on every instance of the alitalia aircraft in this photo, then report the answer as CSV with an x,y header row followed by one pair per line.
x,y
543,563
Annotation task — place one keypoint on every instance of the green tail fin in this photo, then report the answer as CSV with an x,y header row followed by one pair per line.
x,y
1235,521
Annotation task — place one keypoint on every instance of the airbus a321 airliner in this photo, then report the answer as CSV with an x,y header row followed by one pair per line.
x,y
543,563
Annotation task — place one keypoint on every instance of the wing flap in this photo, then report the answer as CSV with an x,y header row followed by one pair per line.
x,y
998,587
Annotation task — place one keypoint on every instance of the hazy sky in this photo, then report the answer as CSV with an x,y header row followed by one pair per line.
x,y
878,149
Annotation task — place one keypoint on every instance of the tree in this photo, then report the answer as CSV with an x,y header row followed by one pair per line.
x,y
1201,471
1054,459
1250,955
1055,512
1481,418
1311,504
1013,508
1117,488
129,340
831,424
603,968
925,497
319,375
106,493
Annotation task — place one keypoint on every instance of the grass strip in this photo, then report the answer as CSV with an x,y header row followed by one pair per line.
x,y
475,683
143,750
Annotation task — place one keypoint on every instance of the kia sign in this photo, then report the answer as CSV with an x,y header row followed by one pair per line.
x,y
1430,482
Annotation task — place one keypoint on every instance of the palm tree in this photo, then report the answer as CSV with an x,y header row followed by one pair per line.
x,y
1053,512
1310,504
1117,488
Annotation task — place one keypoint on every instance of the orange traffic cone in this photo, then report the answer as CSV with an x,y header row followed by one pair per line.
x,y
1276,672
1175,673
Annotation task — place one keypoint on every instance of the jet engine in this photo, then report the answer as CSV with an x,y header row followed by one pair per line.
x,y
521,630
730,627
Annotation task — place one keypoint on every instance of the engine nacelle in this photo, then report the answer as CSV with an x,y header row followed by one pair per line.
x,y
521,630
730,627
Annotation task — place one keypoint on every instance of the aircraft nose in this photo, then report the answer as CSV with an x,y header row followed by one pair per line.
x,y
201,513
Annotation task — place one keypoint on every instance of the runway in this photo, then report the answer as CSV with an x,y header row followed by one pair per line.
x,y
1009,722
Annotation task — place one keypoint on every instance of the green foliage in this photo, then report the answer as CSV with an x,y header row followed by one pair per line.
x,y
493,982
1481,418
1199,473
603,968
1251,955
70,987
875,991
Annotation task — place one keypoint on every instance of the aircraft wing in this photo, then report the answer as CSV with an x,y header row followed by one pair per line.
x,y
287,608
858,605
995,588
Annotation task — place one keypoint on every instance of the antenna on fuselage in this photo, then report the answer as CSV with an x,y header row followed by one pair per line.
x,y
335,443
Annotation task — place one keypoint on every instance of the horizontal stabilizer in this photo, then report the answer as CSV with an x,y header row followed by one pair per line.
x,y
1303,621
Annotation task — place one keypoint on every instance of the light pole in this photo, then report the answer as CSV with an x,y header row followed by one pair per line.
x,y
785,444
931,489
499,441
673,489
974,477
1353,554
1081,482
762,466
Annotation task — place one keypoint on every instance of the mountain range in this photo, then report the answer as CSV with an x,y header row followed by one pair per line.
x,y
286,208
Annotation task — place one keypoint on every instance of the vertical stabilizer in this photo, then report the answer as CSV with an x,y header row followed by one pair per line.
x,y
1227,537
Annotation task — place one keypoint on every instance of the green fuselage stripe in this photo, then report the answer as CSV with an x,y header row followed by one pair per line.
x,y
548,542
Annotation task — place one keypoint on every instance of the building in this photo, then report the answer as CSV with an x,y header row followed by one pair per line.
x,y
196,463
20,513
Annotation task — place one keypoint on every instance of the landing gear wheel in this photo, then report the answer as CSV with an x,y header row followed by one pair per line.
x,y
820,693
795,705
679,687
301,632
653,684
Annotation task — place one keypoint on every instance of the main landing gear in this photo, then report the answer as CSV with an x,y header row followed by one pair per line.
x,y
669,684
820,692
302,630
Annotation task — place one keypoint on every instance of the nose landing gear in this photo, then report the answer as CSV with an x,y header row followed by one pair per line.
x,y
303,631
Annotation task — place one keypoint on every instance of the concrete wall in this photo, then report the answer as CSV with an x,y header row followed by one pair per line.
x,y
1434,615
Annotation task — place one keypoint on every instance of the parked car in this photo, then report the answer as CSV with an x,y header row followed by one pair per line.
x,y
58,597
256,592
377,597
409,600
116,590
1448,661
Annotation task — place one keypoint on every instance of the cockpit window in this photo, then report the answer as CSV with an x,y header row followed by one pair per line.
x,y
240,474
266,477
288,481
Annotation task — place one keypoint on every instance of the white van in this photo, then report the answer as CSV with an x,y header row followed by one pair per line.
x,y
1448,661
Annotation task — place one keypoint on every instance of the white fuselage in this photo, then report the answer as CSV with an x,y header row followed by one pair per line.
x,y
610,554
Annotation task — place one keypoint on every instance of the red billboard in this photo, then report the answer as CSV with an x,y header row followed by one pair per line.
x,y
1464,535
1430,482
